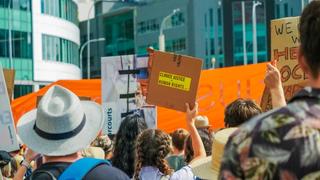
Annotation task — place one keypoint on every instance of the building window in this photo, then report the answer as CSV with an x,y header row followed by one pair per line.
x,y
119,34
65,9
219,17
286,10
59,50
21,44
205,21
4,50
212,50
177,19
148,26
278,10
176,45
23,5
207,47
21,90
211,17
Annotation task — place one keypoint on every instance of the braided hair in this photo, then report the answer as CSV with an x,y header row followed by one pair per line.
x,y
152,147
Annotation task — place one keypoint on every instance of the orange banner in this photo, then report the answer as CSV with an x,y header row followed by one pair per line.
x,y
217,88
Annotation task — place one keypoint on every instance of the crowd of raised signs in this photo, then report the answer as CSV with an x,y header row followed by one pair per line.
x,y
61,138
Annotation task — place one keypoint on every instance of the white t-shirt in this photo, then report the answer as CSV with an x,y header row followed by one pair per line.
x,y
153,173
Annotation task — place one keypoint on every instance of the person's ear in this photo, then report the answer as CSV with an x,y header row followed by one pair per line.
x,y
302,62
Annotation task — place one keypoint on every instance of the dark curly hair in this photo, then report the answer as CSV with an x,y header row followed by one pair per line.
x,y
152,147
240,111
310,37
207,140
124,146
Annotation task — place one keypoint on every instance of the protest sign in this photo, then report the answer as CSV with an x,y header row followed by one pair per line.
x,y
9,78
123,81
285,41
174,80
289,92
8,140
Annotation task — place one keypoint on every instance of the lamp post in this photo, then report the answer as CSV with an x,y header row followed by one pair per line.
x,y
10,34
244,39
254,29
213,62
162,41
88,60
88,21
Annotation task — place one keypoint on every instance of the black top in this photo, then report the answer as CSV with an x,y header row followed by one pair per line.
x,y
102,171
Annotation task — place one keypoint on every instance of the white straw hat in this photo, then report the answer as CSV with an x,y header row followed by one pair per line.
x,y
209,167
201,122
61,125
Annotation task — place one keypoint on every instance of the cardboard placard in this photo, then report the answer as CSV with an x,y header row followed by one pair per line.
x,y
174,80
7,130
9,78
285,41
289,92
123,87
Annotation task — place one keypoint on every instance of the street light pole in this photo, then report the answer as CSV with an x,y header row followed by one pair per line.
x,y
10,35
88,62
244,39
254,29
162,41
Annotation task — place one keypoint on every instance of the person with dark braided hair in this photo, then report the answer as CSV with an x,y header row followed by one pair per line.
x,y
153,146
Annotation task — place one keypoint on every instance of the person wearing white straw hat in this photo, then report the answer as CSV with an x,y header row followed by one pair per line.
x,y
60,128
202,122
208,168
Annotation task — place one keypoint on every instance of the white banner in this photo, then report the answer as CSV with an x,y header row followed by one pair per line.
x,y
8,138
120,77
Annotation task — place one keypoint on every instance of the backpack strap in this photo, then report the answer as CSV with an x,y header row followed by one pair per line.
x,y
79,169
52,177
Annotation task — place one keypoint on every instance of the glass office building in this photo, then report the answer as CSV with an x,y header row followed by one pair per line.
x,y
221,32
28,40
16,40
119,34
65,9
240,24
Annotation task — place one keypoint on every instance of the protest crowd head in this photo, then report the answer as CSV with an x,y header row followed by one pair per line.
x,y
124,147
309,28
240,111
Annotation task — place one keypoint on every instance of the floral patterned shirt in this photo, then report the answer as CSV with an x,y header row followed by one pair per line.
x,y
281,144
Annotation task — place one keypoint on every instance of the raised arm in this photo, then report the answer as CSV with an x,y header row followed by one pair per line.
x,y
273,82
29,157
197,145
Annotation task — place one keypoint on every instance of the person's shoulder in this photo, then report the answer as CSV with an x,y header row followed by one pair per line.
x,y
184,173
49,170
105,171
175,157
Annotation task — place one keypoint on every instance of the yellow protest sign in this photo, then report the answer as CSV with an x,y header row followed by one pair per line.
x,y
174,81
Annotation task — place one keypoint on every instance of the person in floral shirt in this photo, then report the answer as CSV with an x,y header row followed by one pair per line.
x,y
284,143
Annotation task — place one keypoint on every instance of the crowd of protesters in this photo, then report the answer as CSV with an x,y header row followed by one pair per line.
x,y
60,139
